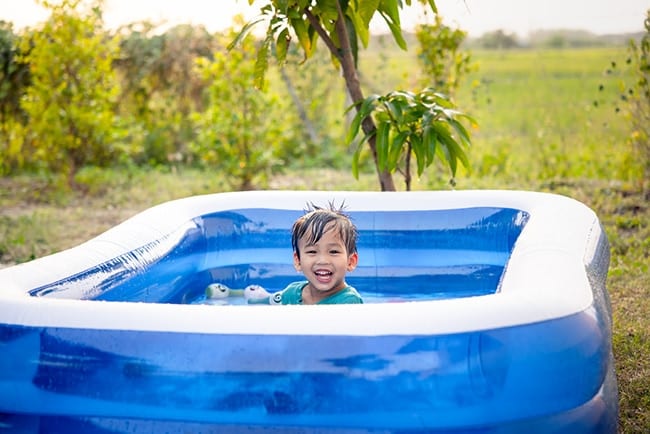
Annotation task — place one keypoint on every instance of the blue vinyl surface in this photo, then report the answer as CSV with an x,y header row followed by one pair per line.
x,y
402,255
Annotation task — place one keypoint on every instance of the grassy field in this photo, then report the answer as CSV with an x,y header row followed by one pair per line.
x,y
539,129
536,111
537,114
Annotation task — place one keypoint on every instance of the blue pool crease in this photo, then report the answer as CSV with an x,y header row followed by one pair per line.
x,y
485,312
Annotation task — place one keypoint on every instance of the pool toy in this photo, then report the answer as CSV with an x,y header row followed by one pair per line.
x,y
503,323
217,291
256,294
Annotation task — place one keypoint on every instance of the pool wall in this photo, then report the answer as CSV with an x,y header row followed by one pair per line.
x,y
498,320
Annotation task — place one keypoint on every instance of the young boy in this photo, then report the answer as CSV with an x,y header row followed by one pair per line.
x,y
324,245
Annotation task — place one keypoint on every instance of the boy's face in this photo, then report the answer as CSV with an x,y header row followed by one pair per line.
x,y
324,263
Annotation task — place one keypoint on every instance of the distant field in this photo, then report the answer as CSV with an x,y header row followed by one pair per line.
x,y
536,111
537,117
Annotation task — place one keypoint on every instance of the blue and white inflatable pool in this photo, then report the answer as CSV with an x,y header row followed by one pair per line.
x,y
486,312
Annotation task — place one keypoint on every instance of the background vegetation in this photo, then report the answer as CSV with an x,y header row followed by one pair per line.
x,y
96,131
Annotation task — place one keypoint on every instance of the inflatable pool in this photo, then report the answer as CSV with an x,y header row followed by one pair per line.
x,y
485,312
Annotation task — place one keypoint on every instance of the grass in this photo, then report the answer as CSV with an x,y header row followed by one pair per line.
x,y
543,120
540,114
539,129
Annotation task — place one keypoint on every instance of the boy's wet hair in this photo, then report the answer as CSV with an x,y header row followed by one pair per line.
x,y
316,219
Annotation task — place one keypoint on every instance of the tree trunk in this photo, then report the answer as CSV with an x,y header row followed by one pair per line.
x,y
354,88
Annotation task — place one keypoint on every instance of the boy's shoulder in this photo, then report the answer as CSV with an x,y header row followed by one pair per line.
x,y
347,295
292,294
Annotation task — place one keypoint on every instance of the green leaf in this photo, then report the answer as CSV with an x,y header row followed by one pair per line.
x,y
361,13
446,140
420,153
361,29
352,36
402,94
355,162
368,104
389,11
282,45
429,141
301,28
453,150
262,61
394,110
353,130
245,31
462,132
433,6
396,149
357,154
365,109
382,144
367,9
460,154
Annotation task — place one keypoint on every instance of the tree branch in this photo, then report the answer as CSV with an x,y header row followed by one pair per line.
x,y
322,33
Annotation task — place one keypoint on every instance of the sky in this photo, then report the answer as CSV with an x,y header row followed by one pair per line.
x,y
474,16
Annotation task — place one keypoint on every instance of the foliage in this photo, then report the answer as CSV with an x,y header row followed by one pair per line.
x,y
343,26
160,89
422,124
14,78
14,73
443,62
538,120
639,101
73,89
631,100
235,132
316,97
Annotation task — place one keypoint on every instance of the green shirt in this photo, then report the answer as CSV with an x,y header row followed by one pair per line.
x,y
292,294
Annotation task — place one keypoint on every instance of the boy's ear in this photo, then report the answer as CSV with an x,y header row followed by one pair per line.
x,y
296,262
353,260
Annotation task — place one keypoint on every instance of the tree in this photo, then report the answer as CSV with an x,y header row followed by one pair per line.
x,y
413,124
343,25
160,88
73,89
14,79
235,130
14,73
440,56
315,94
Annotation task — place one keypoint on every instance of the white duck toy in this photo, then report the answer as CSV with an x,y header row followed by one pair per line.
x,y
255,294
217,293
